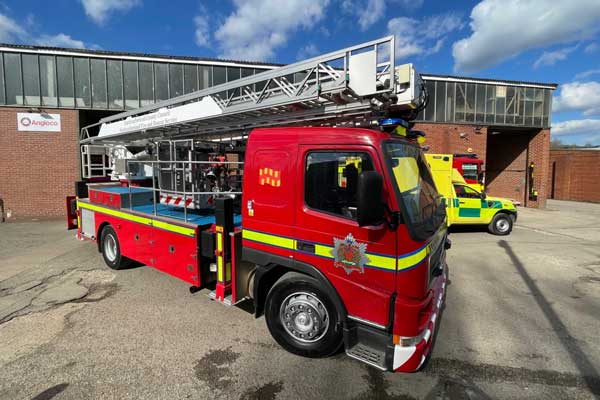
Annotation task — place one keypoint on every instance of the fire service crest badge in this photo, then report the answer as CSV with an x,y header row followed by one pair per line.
x,y
349,254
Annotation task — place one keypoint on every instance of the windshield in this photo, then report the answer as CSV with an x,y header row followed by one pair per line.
x,y
422,205
470,171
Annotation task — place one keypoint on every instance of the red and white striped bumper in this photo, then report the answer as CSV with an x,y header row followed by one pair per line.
x,y
411,358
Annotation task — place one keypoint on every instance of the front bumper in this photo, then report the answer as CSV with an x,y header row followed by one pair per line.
x,y
411,358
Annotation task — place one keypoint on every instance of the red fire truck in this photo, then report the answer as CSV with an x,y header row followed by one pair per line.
x,y
471,169
334,231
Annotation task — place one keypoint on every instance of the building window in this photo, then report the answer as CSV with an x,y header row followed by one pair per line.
x,y
146,81
48,80
429,112
115,84
480,103
331,181
83,91
12,72
490,104
175,80
219,75
130,84
440,101
31,79
190,78
66,91
2,87
99,85
205,76
161,81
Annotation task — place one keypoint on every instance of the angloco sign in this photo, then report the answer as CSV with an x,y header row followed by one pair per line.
x,y
34,122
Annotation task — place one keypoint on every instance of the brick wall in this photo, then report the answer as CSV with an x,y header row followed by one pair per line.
x,y
539,154
37,169
451,139
573,175
505,156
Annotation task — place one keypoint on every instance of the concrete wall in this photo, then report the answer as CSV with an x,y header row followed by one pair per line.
x,y
37,169
573,174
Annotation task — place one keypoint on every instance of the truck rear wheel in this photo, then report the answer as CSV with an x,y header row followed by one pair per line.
x,y
301,317
501,224
111,251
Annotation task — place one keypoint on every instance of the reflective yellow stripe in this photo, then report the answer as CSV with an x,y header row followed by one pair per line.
x,y
173,228
272,240
140,220
375,260
384,262
412,260
220,257
323,251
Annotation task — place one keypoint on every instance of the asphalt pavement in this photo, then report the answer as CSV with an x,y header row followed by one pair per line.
x,y
521,320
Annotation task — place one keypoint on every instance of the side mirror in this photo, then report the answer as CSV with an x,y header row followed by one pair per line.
x,y
370,209
482,196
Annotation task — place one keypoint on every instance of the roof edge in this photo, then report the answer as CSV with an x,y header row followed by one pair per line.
x,y
487,81
121,54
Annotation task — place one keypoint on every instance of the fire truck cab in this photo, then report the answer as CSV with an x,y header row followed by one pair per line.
x,y
336,233
471,169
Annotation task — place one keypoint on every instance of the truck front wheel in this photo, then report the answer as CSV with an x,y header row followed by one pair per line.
x,y
111,250
301,317
501,224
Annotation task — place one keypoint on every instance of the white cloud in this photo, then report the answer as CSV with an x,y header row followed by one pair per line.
x,y
308,51
587,74
202,35
502,29
552,57
428,39
578,96
591,48
374,11
60,40
100,10
410,4
11,32
588,129
257,27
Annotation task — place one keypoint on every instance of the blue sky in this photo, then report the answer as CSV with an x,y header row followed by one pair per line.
x,y
530,40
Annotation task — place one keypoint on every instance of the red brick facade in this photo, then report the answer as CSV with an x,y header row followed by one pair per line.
x,y
37,169
573,175
506,154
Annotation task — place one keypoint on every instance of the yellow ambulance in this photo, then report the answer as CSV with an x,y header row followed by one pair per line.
x,y
464,204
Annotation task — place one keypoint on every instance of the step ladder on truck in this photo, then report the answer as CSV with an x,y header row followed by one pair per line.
x,y
281,189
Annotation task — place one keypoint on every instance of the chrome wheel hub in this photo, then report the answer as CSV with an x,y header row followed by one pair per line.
x,y
304,317
502,225
110,247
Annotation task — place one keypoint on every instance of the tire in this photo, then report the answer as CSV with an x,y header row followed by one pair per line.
x,y
111,250
302,318
501,224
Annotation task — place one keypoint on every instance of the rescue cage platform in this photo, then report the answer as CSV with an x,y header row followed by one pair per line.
x,y
195,217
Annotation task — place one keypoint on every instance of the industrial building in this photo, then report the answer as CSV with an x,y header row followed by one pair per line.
x,y
48,94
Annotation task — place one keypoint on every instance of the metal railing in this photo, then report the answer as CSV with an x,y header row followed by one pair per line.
x,y
185,194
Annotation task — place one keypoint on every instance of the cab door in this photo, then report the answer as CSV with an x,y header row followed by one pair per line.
x,y
360,262
467,205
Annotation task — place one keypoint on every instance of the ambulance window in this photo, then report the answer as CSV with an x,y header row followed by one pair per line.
x,y
466,192
331,181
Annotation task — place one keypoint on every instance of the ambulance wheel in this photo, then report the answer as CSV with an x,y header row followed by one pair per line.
x,y
111,251
301,317
501,224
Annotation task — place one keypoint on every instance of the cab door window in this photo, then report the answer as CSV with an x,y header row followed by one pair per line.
x,y
466,192
331,181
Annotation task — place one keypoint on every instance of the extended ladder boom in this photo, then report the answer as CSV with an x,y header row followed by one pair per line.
x,y
350,84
